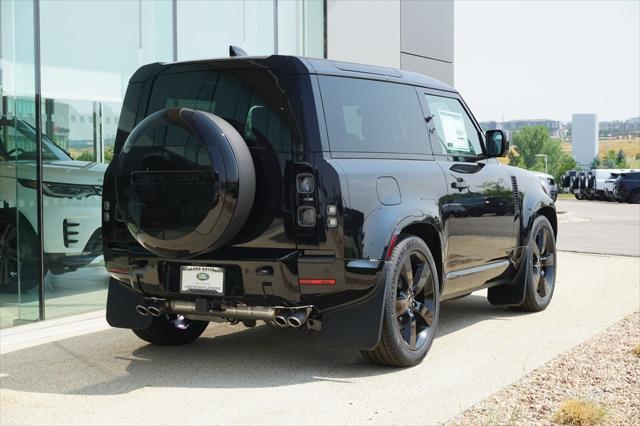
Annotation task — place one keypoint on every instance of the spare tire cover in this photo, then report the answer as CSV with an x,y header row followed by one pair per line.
x,y
185,182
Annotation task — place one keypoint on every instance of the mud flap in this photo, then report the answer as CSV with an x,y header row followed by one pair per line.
x,y
512,294
357,325
121,307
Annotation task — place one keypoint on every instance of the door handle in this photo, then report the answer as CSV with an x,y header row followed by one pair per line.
x,y
459,184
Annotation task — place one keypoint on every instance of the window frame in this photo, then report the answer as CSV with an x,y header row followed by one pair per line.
x,y
428,156
436,147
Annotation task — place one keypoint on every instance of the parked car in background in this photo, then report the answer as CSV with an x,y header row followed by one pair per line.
x,y
548,184
595,184
347,199
627,188
72,192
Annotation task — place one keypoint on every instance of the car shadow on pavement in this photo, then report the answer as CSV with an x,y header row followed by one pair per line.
x,y
226,357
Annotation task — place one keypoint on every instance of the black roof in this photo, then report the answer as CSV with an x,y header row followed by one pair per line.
x,y
295,65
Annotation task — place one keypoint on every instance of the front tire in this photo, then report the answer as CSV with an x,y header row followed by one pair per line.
x,y
634,198
541,281
412,305
18,261
172,330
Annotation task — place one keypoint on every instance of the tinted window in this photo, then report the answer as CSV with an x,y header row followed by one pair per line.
x,y
249,100
373,116
454,130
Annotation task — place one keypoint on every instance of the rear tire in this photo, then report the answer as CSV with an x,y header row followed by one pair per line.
x,y
541,281
634,198
412,305
173,330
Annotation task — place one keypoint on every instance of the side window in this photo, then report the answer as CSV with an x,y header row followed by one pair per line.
x,y
454,131
373,116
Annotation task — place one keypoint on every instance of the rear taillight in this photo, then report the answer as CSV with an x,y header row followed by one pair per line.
x,y
306,196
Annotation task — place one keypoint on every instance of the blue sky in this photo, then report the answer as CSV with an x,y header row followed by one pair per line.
x,y
548,59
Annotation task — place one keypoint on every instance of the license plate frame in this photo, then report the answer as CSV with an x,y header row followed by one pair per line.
x,y
205,280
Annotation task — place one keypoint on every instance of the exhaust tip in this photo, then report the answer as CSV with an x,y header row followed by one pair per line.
x,y
294,322
297,319
280,321
142,310
154,311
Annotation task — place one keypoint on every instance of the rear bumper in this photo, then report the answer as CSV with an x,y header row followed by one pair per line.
x,y
347,314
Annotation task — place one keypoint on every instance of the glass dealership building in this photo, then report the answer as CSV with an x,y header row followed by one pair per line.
x,y
64,68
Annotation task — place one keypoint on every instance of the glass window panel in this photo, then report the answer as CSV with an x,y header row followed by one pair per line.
x,y
373,116
248,24
89,52
455,131
19,243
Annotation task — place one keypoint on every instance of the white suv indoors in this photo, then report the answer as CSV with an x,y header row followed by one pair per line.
x,y
71,200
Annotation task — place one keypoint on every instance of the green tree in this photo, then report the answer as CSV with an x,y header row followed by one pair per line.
x,y
532,141
609,160
567,162
85,156
621,160
595,164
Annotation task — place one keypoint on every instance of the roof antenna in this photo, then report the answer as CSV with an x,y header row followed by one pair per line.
x,y
236,51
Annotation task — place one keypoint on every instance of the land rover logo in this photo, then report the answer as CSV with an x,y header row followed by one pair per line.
x,y
202,276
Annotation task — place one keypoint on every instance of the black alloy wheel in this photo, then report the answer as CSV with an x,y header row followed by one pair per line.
x,y
8,254
635,197
542,268
17,267
411,306
415,302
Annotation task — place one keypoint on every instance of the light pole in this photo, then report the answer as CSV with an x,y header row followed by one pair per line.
x,y
545,162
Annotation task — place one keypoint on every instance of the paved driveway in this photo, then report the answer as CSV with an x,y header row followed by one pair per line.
x,y
255,376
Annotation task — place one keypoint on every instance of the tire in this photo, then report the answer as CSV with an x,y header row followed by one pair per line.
x,y
11,258
542,270
407,337
172,331
185,182
634,198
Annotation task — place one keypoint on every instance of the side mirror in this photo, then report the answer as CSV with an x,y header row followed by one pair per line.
x,y
497,143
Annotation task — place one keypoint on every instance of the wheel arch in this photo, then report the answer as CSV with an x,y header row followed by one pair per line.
x,y
433,239
550,214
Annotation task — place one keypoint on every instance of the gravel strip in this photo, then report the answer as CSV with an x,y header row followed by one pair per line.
x,y
603,370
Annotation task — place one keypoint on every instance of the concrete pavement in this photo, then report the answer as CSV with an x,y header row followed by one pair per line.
x,y
235,375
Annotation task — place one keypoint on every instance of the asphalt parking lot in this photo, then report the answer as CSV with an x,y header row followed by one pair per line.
x,y
599,227
235,375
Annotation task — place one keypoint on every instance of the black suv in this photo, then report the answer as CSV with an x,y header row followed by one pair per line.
x,y
627,187
342,198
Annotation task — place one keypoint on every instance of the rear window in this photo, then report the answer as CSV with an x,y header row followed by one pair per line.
x,y
249,100
373,116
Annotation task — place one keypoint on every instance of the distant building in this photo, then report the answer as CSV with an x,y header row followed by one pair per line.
x,y
584,138
620,128
557,129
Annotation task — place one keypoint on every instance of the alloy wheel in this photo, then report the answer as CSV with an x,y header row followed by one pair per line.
x,y
8,253
415,300
543,268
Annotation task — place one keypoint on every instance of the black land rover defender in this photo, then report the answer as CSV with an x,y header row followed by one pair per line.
x,y
347,199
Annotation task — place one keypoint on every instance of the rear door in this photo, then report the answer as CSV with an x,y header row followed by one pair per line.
x,y
479,209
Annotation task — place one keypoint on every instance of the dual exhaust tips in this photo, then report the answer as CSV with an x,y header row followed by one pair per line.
x,y
296,319
155,309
